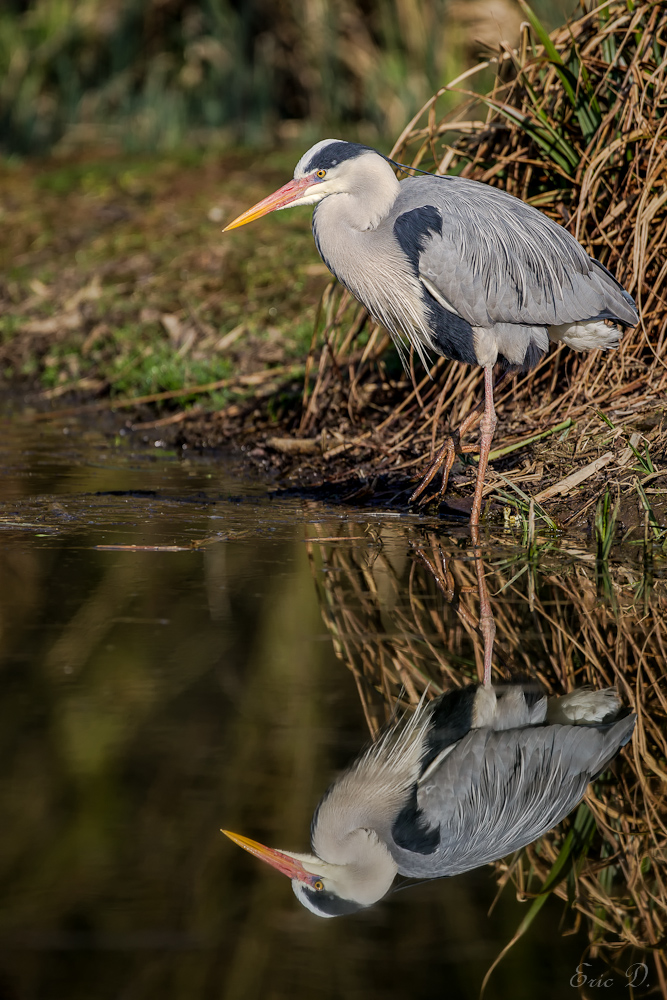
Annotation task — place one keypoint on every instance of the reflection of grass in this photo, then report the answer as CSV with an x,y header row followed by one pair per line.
x,y
552,624
567,866
653,531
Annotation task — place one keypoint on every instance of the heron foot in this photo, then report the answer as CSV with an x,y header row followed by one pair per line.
x,y
445,456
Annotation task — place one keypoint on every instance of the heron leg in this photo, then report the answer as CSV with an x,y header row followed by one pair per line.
x,y
487,427
452,446
487,623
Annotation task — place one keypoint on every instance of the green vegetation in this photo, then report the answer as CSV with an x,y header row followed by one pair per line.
x,y
606,517
150,75
119,281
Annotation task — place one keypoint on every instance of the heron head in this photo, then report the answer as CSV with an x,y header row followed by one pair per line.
x,y
327,890
331,166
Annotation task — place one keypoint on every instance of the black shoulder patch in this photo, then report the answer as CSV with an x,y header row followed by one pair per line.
x,y
412,230
330,903
533,356
335,153
410,830
532,693
452,719
452,335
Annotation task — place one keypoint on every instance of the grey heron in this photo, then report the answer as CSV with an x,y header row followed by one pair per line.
x,y
470,777
456,267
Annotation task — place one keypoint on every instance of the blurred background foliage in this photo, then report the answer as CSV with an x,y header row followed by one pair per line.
x,y
157,73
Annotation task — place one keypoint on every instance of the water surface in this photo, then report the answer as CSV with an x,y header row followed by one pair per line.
x,y
181,650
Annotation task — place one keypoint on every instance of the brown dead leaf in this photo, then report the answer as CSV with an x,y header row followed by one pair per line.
x,y
89,293
173,326
578,477
230,338
294,446
148,315
54,324
39,289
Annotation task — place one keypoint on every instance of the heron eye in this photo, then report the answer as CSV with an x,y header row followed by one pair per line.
x,y
319,885
321,173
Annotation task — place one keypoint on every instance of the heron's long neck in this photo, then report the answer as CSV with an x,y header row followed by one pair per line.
x,y
366,257
351,806
353,823
348,835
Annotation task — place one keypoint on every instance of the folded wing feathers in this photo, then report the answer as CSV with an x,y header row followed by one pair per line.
x,y
499,791
500,260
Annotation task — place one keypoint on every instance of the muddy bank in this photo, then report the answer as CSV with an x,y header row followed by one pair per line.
x,y
568,470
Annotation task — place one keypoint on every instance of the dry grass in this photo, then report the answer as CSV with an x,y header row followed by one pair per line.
x,y
575,125
405,620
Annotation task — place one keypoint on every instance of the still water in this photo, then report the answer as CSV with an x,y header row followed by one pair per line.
x,y
183,650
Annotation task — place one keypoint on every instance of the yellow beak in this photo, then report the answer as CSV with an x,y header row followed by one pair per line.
x,y
282,198
283,862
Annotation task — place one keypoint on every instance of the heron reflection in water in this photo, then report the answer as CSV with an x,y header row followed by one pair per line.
x,y
470,777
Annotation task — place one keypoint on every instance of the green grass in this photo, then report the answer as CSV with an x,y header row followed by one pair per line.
x,y
107,249
161,371
571,859
606,517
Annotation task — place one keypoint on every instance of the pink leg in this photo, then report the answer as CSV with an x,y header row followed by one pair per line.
x,y
446,455
487,427
487,624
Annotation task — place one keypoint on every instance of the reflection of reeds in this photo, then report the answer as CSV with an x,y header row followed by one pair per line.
x,y
575,125
405,620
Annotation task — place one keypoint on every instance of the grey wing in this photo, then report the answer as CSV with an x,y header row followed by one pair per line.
x,y
496,792
498,260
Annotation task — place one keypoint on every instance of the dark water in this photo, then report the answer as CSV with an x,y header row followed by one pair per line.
x,y
217,675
